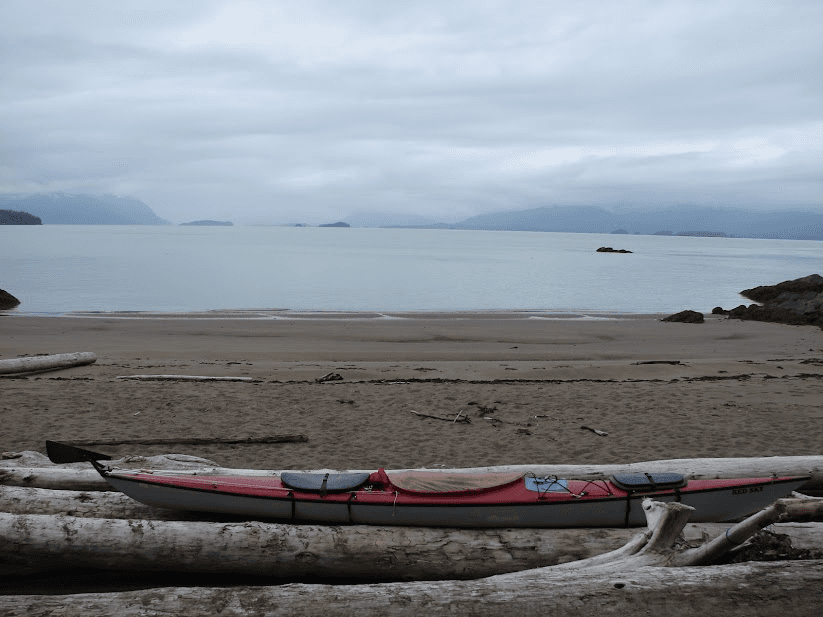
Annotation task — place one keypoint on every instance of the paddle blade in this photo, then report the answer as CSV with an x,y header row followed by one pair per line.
x,y
64,453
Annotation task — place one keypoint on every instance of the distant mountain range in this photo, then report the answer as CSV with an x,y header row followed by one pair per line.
x,y
683,220
67,209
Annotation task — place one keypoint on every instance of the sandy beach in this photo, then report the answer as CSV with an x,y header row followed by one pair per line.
x,y
724,388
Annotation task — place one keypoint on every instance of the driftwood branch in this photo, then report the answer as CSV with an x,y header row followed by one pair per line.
x,y
46,363
182,378
194,441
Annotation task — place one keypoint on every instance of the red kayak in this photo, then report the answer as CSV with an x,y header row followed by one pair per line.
x,y
440,499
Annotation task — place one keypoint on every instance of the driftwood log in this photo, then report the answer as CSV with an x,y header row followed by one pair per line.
x,y
72,479
42,542
39,542
46,363
646,575
777,589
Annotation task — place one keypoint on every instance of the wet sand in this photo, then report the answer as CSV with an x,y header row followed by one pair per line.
x,y
527,381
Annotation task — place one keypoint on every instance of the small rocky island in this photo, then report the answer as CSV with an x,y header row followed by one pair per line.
x,y
608,249
208,223
338,224
15,217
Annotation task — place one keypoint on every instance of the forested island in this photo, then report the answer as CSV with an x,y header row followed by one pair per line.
x,y
210,223
17,217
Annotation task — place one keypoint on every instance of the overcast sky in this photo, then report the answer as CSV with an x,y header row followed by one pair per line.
x,y
313,111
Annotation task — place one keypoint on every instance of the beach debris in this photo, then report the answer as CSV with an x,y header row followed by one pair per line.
x,y
182,378
594,430
45,362
483,409
458,418
672,362
343,401
329,377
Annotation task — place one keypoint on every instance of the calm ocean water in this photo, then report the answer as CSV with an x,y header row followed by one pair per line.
x,y
56,269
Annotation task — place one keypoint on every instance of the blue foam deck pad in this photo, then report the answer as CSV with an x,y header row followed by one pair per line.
x,y
648,482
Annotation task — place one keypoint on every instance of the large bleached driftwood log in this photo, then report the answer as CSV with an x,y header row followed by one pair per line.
x,y
41,542
691,468
629,580
46,363
776,589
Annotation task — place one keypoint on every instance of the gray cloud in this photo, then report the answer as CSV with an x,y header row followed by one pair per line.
x,y
312,111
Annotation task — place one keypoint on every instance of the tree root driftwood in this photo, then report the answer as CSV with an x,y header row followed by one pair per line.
x,y
649,573
30,364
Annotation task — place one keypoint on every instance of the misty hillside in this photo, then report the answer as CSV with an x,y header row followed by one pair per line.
x,y
67,209
789,224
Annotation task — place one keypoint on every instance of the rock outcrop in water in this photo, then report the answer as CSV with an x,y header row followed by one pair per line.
x,y
7,301
796,302
608,249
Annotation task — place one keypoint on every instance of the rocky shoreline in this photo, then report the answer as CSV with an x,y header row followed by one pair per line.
x,y
798,302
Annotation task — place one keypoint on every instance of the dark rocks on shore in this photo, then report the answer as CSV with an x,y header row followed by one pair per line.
x,y
18,217
797,302
608,249
719,310
685,317
7,301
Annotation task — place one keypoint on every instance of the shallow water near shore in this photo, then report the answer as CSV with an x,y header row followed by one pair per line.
x,y
59,269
